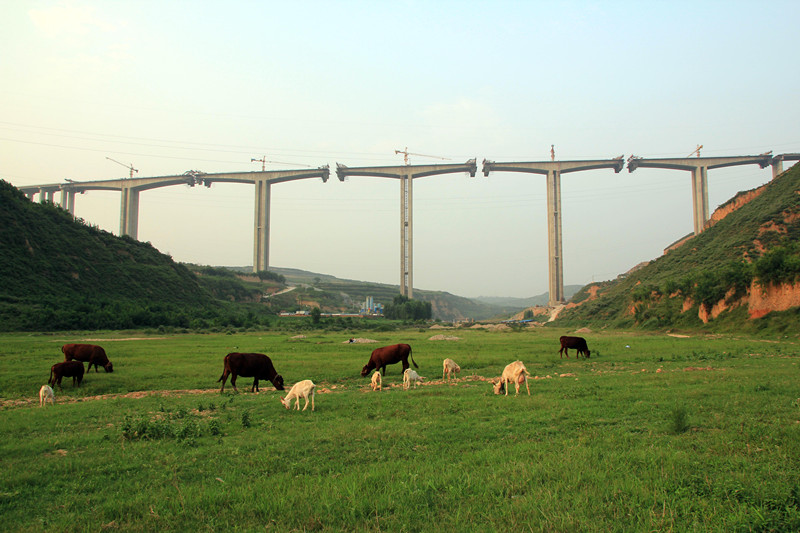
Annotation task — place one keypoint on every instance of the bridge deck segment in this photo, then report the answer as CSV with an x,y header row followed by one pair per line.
x,y
406,174
553,171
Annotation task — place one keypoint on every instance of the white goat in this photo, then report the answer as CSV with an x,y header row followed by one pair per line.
x,y
410,376
377,383
300,389
46,394
514,373
449,367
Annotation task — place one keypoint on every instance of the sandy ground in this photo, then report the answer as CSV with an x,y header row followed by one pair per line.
x,y
472,380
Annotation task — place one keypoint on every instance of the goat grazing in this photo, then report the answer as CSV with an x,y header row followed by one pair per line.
x,y
300,389
410,376
515,373
377,383
46,394
449,367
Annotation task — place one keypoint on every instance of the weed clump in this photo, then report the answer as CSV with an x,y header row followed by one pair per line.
x,y
679,421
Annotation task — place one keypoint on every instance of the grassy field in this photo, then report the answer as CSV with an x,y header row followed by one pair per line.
x,y
653,433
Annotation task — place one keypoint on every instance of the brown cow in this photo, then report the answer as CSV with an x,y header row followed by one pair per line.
x,y
579,343
94,355
249,365
388,355
73,369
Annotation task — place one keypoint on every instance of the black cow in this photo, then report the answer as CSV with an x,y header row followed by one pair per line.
x,y
388,355
579,343
249,365
90,353
73,369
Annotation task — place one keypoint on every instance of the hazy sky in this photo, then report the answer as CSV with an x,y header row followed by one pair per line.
x,y
205,85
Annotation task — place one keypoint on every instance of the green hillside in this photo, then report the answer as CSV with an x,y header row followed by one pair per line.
x,y
755,246
61,273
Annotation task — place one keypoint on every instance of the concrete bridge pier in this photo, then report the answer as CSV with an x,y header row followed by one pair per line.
x,y
261,225
129,212
777,163
555,265
406,237
46,195
68,201
700,198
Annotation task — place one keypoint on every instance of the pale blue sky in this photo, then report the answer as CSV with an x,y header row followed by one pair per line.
x,y
174,86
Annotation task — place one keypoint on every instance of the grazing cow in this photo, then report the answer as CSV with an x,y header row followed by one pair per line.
x,y
409,377
88,353
449,367
515,373
46,394
73,369
301,389
249,365
388,355
579,343
377,383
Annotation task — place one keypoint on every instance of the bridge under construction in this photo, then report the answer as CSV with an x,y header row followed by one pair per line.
x,y
131,188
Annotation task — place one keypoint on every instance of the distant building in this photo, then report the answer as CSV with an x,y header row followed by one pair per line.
x,y
369,307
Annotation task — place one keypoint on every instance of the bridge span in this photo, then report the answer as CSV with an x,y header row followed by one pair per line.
x,y
699,167
553,171
131,188
406,174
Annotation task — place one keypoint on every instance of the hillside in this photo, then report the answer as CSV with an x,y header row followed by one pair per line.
x,y
61,273
350,293
743,267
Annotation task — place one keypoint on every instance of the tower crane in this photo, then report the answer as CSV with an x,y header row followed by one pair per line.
x,y
129,167
696,151
264,162
406,153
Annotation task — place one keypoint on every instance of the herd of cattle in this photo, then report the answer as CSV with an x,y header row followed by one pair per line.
x,y
259,367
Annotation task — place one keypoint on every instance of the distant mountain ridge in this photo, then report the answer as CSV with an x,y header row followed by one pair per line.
x,y
523,303
446,306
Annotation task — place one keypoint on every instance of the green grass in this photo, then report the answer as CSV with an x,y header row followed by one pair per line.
x,y
594,448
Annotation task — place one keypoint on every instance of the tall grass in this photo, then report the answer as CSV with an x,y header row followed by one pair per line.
x,y
588,450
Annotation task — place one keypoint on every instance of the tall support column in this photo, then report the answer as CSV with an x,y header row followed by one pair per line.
x,y
406,237
261,226
129,212
777,167
556,267
68,201
406,175
700,198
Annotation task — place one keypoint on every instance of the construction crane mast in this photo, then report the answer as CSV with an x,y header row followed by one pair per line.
x,y
406,153
264,162
129,167
696,151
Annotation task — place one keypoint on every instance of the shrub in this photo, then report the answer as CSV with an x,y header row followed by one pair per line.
x,y
679,422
